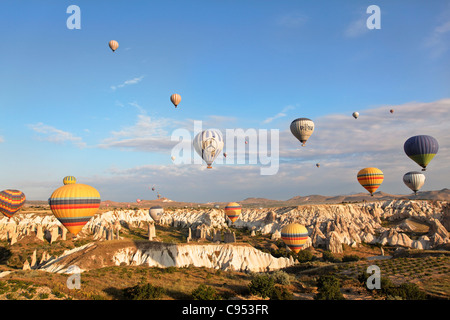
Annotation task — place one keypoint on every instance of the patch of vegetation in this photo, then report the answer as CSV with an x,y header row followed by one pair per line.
x,y
329,288
204,292
143,292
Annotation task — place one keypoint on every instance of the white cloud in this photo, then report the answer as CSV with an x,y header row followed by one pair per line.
x,y
55,135
356,28
278,115
128,82
292,19
439,39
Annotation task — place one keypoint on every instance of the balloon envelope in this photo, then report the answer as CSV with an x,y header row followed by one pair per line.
x,y
370,178
414,180
69,180
113,44
294,236
176,99
391,111
74,205
355,115
302,129
421,149
156,212
11,201
233,210
208,144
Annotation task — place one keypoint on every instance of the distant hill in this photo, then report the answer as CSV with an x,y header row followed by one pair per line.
x,y
442,195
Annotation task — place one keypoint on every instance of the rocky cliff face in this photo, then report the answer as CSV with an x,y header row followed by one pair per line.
x,y
392,223
156,254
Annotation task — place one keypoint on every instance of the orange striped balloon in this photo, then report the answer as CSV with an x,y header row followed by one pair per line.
x,y
176,99
11,201
74,205
233,210
113,44
294,236
370,178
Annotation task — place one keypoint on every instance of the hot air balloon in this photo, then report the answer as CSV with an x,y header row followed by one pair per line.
x,y
225,154
74,205
11,201
153,189
421,149
355,114
233,210
173,158
370,178
414,180
138,200
176,99
113,44
302,128
294,236
69,180
391,111
318,165
208,144
156,213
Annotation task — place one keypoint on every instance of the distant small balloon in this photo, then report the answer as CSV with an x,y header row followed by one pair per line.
x,y
355,115
391,111
176,99
113,44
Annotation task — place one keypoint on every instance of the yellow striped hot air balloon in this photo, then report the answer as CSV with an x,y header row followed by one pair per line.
x,y
11,201
74,205
113,44
233,210
370,178
69,180
176,99
294,236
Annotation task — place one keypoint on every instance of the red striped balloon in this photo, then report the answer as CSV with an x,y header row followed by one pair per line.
x,y
294,236
370,178
11,201
233,210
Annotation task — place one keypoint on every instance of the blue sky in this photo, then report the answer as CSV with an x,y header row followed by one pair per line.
x,y
70,106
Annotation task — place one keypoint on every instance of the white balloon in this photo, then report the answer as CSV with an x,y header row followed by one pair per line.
x,y
208,144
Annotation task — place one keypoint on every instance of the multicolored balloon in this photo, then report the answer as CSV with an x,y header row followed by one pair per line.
x,y
370,178
156,212
302,129
113,44
391,111
74,205
294,236
414,180
233,210
69,180
11,201
421,149
176,99
208,144
355,114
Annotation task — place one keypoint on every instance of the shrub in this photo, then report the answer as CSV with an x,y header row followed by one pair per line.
x,y
143,292
281,293
204,292
329,288
262,285
281,277
349,258
305,256
328,256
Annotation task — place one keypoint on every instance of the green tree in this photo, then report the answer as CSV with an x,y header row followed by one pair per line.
x,y
329,288
262,285
204,292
